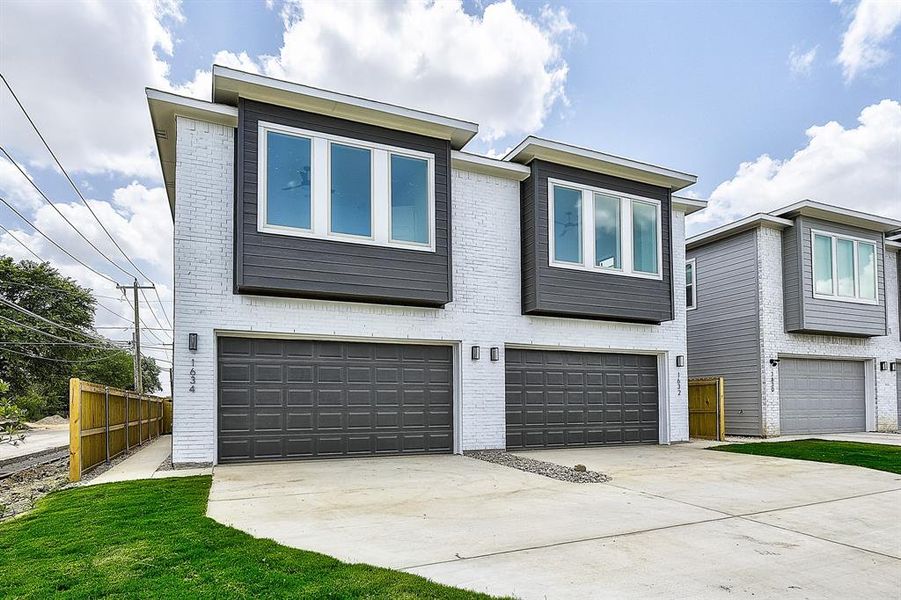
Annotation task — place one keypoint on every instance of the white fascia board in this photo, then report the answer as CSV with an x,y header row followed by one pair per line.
x,y
489,166
730,229
164,108
591,160
231,84
688,205
838,214
893,245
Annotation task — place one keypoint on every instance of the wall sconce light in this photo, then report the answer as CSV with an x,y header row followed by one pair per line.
x,y
475,351
883,366
192,342
495,354
680,361
774,362
891,366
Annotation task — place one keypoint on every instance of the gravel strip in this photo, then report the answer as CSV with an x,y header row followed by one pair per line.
x,y
539,467
19,492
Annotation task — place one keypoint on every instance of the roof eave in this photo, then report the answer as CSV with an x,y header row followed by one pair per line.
x,y
164,108
533,148
736,227
688,205
489,166
231,84
847,216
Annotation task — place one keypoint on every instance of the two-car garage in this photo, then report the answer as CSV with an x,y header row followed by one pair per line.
x,y
295,398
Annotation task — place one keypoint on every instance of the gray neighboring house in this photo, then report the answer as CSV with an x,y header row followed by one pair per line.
x,y
798,310
349,281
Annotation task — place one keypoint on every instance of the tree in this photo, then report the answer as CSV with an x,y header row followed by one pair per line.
x,y
116,369
28,356
38,358
12,418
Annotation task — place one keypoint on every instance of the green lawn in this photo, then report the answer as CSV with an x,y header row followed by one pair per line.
x,y
151,539
873,456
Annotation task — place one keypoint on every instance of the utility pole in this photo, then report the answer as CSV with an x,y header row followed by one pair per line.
x,y
139,384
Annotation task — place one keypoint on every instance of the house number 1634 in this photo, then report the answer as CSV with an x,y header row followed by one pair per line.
x,y
193,375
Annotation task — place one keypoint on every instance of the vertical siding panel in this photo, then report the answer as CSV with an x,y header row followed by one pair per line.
x,y
724,329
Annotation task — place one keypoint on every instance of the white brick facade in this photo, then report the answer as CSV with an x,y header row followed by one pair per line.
x,y
486,307
882,414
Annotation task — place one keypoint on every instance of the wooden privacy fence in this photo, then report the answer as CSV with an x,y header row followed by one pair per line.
x,y
706,408
105,422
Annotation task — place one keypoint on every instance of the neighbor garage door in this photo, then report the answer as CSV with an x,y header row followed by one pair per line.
x,y
561,399
822,396
283,399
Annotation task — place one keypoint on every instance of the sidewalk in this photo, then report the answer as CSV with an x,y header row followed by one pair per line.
x,y
36,440
145,464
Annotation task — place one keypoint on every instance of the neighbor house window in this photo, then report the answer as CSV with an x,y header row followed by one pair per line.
x,y
323,186
602,230
844,268
690,284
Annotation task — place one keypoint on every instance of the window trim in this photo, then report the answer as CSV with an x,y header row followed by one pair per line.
x,y
320,189
694,284
588,244
834,237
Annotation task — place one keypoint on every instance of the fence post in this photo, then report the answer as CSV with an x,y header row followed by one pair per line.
x,y
127,422
74,429
106,411
721,408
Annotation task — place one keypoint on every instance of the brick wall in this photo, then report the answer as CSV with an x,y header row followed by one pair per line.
x,y
774,341
486,310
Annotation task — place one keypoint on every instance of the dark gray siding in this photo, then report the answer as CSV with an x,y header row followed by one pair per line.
x,y
835,316
791,278
274,264
724,329
572,293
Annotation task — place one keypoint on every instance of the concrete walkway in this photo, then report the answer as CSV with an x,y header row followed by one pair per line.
x,y
145,464
675,522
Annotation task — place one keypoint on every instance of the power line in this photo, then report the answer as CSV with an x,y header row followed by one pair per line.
x,y
59,212
108,345
49,239
72,183
21,243
58,360
22,309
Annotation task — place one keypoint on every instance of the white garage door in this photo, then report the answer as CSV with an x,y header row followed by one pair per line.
x,y
822,396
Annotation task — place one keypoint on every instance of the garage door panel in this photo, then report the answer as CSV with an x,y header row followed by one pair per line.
x,y
303,398
560,399
821,396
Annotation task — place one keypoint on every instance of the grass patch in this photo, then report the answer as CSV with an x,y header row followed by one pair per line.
x,y
881,457
151,539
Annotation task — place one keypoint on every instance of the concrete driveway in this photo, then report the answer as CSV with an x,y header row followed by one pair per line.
x,y
675,522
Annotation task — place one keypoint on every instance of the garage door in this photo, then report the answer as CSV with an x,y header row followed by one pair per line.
x,y
822,396
284,399
561,399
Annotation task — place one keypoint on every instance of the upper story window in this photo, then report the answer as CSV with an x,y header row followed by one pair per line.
x,y
691,286
844,268
601,230
322,186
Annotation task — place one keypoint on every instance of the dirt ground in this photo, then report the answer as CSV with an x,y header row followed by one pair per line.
x,y
19,492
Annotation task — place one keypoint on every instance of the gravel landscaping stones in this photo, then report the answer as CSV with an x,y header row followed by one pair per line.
x,y
20,491
539,467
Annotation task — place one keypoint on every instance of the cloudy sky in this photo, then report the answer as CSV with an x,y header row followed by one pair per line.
x,y
768,103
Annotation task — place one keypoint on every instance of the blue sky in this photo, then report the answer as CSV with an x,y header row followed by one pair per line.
x,y
767,102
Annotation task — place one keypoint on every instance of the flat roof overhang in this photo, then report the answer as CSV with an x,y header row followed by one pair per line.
x,y
838,214
164,108
533,148
231,84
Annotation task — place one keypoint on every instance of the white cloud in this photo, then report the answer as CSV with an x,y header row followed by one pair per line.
x,y
80,68
15,188
873,23
502,69
858,168
800,63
